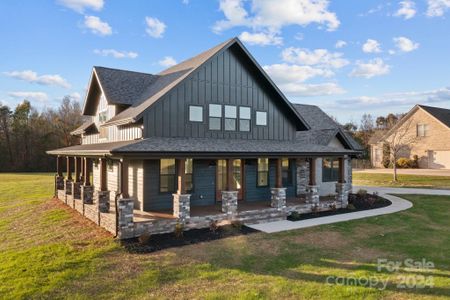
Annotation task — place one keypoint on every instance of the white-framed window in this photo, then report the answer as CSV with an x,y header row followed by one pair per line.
x,y
244,118
422,130
230,117
261,118
215,117
195,113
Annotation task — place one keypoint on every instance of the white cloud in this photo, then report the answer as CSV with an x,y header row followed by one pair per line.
x,y
38,96
31,76
186,2
155,28
319,57
116,53
340,44
374,67
303,90
274,15
404,44
285,73
261,38
371,46
400,99
407,9
167,61
80,5
437,8
75,96
97,26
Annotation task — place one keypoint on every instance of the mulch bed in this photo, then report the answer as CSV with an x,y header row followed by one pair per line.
x,y
358,201
157,242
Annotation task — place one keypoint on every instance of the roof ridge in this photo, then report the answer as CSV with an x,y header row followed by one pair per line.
x,y
123,70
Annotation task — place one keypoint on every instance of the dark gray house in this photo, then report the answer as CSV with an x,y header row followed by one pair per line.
x,y
211,139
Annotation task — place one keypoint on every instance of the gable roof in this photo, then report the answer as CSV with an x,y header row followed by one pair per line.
x,y
141,90
442,114
83,127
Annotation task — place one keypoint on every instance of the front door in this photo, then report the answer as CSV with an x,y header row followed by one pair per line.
x,y
237,177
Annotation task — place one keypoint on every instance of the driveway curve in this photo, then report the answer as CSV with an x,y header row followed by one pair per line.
x,y
398,204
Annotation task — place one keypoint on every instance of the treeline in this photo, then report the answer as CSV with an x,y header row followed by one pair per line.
x,y
25,135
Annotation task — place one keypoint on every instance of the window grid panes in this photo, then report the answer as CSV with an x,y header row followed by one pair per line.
x,y
215,117
261,118
244,118
195,113
230,117
167,177
286,172
189,171
330,169
422,130
263,172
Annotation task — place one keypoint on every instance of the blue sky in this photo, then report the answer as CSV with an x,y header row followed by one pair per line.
x,y
349,57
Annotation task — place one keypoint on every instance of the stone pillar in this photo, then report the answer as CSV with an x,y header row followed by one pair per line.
x,y
342,194
87,194
68,186
229,202
312,194
77,190
278,198
59,182
125,218
182,206
102,201
302,175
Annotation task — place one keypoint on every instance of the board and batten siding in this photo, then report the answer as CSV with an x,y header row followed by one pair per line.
x,y
136,183
225,79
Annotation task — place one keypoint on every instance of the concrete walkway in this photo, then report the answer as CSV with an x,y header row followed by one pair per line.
x,y
398,204
423,172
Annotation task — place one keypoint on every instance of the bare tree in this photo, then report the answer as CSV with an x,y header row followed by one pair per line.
x,y
400,141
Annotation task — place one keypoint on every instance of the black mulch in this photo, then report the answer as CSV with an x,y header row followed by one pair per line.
x,y
356,203
157,242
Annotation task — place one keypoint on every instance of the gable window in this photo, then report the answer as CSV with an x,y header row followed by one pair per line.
x,y
261,118
188,171
286,172
102,118
263,172
230,117
167,176
215,117
195,113
422,130
244,118
330,169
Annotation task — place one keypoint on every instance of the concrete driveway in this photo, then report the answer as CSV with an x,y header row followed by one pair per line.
x,y
425,172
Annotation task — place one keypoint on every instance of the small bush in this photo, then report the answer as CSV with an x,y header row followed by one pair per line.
x,y
179,230
404,163
295,215
415,162
362,193
332,206
351,206
213,226
144,238
236,225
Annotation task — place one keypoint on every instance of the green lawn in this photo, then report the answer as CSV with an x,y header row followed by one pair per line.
x,y
375,179
49,251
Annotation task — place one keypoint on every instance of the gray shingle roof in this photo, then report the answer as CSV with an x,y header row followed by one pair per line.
x,y
442,114
83,127
90,149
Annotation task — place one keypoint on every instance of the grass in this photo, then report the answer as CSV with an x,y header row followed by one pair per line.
x,y
417,181
49,251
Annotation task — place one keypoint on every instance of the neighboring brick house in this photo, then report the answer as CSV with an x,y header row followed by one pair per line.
x,y
430,127
209,139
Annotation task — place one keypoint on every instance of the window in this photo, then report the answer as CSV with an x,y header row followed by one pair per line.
x,y
230,117
378,154
104,132
188,171
110,166
261,118
263,172
167,176
215,116
330,169
286,172
195,113
422,130
244,118
103,116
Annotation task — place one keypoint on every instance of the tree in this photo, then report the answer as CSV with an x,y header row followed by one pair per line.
x,y
5,124
381,122
350,126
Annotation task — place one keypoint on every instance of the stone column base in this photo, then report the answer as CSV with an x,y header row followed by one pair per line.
x,y
60,183
87,194
278,198
229,202
102,201
312,194
182,206
77,190
342,194
68,184
125,218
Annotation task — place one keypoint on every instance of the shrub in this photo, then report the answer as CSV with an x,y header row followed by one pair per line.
x,y
179,230
144,238
362,193
415,162
236,225
295,215
351,206
404,163
213,226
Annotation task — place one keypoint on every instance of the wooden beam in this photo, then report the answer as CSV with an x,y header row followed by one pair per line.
x,y
278,174
181,175
229,174
69,168
312,171
59,163
77,161
81,169
124,178
341,170
87,169
103,183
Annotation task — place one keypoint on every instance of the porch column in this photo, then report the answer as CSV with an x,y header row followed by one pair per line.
x,y
102,195
60,175
341,186
87,191
181,200
278,193
77,183
229,197
125,204
312,190
69,181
